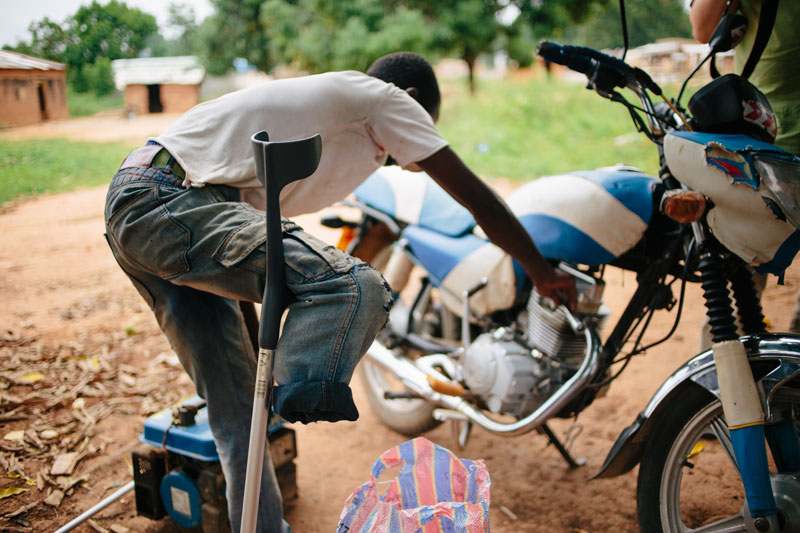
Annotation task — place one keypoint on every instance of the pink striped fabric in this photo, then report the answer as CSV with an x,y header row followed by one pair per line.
x,y
433,492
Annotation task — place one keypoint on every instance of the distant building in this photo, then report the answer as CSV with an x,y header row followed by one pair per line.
x,y
159,84
671,60
32,90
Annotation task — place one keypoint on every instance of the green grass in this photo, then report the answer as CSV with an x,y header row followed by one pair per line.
x,y
34,167
88,104
524,128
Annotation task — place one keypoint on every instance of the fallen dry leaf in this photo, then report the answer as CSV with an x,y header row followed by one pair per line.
x,y
49,434
64,464
24,509
15,436
97,527
11,491
54,499
127,380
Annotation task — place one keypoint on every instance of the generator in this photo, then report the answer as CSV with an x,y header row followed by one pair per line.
x,y
176,469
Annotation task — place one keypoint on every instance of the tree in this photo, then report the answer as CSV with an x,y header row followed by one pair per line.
x,y
646,20
99,76
552,18
331,35
182,17
467,28
113,30
95,31
519,42
319,35
48,40
182,22
235,30
470,28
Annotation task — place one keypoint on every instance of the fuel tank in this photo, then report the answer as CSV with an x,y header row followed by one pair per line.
x,y
587,217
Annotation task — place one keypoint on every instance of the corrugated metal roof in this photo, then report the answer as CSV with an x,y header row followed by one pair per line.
x,y
181,70
14,60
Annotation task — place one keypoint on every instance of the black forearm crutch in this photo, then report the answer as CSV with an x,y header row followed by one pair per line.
x,y
277,165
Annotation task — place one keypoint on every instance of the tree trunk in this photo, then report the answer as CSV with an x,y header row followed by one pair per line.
x,y
470,59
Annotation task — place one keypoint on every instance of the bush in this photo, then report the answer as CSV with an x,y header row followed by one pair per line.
x,y
78,80
97,77
100,76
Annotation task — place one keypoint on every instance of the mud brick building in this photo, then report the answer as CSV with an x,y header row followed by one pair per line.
x,y
159,84
32,90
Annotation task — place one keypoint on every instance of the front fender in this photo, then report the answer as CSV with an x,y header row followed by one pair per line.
x,y
775,359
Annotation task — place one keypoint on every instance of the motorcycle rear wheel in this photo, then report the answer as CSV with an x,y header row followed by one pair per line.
x,y
688,479
410,417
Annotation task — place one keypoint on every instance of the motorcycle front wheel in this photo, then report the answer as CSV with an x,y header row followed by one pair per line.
x,y
688,478
407,416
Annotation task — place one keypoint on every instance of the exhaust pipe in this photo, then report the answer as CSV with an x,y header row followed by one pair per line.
x,y
417,381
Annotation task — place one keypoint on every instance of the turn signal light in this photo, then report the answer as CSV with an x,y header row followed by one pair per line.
x,y
347,236
683,206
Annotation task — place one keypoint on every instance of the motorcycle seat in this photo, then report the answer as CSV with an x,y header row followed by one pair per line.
x,y
415,199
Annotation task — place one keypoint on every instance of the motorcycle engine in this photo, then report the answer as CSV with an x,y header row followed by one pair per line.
x,y
549,329
509,376
501,371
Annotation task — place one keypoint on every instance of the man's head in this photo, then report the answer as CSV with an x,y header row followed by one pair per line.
x,y
412,73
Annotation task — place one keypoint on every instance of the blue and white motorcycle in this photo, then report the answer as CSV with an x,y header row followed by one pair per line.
x,y
476,344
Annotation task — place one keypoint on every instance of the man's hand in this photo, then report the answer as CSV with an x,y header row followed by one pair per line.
x,y
558,286
704,15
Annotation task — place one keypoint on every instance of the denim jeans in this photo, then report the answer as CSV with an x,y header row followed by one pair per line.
x,y
193,254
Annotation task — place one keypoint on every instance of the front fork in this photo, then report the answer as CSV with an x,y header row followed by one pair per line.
x,y
739,393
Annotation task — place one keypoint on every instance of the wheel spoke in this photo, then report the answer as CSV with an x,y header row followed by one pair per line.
x,y
720,429
731,524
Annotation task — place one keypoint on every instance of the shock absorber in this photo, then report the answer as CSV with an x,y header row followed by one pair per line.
x,y
748,304
739,396
718,300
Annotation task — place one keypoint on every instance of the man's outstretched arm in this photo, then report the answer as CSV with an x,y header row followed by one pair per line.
x,y
499,223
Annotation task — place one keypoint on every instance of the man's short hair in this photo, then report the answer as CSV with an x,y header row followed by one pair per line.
x,y
407,69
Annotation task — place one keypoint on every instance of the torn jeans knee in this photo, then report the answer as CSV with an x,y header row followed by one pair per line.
x,y
326,332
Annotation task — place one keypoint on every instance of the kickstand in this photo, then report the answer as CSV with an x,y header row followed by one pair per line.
x,y
460,426
460,432
573,463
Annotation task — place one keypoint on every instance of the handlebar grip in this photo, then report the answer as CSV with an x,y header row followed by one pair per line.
x,y
605,72
564,55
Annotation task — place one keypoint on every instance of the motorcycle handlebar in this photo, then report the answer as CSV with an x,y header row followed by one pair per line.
x,y
604,71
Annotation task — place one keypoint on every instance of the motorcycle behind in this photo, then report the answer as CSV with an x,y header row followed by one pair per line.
x,y
478,346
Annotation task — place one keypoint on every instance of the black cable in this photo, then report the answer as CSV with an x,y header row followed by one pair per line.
x,y
686,81
627,359
624,28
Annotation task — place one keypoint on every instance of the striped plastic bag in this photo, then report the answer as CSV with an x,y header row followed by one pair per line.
x,y
434,492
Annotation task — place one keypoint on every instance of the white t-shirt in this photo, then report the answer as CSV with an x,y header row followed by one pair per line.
x,y
361,119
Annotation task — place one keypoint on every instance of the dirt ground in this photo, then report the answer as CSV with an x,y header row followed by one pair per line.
x,y
81,355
